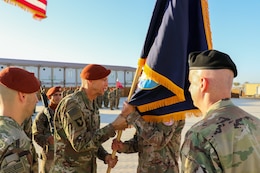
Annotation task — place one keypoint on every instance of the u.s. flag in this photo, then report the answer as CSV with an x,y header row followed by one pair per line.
x,y
177,28
36,7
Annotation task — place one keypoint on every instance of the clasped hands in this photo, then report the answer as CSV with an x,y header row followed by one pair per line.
x,y
120,122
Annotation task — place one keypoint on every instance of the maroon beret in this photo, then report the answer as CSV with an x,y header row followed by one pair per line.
x,y
53,90
19,79
94,72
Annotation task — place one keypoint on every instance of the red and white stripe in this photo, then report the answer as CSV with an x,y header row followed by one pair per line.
x,y
36,7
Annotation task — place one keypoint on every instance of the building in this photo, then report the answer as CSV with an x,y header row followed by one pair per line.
x,y
67,74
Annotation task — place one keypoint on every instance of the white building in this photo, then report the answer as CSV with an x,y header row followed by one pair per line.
x,y
67,74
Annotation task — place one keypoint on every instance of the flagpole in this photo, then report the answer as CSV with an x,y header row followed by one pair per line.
x,y
132,89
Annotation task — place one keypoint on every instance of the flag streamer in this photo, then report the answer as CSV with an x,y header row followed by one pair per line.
x,y
36,7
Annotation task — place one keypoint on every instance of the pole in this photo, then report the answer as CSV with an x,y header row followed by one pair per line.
x,y
133,87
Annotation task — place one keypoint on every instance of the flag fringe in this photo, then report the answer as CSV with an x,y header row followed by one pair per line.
x,y
162,80
206,21
36,14
176,116
159,103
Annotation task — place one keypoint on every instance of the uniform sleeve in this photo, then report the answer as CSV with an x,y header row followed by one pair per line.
x,y
198,155
82,138
40,129
101,154
130,146
156,134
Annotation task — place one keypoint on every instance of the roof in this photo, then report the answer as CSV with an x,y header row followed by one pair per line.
x,y
19,62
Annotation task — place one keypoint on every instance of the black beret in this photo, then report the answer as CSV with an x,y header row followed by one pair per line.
x,y
94,72
211,59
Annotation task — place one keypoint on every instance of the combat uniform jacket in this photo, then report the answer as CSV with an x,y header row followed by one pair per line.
x,y
27,127
42,130
157,145
15,147
226,140
78,136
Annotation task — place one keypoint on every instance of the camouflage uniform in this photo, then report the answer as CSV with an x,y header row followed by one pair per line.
x,y
27,127
105,98
157,145
117,97
41,130
226,140
15,147
111,97
99,101
78,136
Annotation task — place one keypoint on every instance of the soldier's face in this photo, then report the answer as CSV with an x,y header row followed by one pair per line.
x,y
31,102
101,85
56,97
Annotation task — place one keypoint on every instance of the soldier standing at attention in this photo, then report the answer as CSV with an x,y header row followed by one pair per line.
x,y
42,129
112,97
105,98
77,133
18,98
99,101
117,97
227,139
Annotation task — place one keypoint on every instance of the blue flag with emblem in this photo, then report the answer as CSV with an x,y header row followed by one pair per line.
x,y
177,27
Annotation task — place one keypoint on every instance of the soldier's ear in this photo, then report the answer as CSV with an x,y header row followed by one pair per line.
x,y
21,96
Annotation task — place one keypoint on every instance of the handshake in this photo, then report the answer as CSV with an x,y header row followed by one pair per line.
x,y
120,122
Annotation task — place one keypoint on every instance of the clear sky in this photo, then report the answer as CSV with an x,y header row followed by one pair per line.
x,y
113,32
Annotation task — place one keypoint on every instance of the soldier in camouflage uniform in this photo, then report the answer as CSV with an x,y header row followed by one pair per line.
x,y
42,129
78,136
157,143
105,98
227,139
100,101
18,98
117,97
112,97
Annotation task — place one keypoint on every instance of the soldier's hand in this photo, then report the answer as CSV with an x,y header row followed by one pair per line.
x,y
110,161
120,123
117,145
127,109
50,140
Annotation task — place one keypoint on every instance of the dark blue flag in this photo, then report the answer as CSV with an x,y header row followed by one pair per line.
x,y
177,28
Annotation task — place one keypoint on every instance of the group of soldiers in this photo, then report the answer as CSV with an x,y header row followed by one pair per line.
x,y
39,128
111,98
226,139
